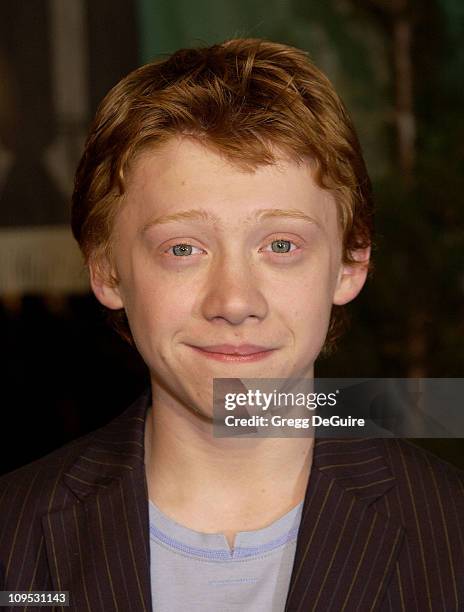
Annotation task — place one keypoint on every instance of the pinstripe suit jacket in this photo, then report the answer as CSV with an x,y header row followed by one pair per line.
x,y
382,526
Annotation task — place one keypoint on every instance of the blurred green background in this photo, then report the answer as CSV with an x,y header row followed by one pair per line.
x,y
399,67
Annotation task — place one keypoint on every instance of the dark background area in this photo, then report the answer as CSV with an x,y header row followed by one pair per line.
x,y
398,65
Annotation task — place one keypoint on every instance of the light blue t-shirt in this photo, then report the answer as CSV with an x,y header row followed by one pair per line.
x,y
198,572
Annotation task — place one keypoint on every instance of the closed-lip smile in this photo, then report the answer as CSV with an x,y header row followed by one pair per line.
x,y
231,352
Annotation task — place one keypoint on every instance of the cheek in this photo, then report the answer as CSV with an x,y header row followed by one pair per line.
x,y
153,321
157,308
309,306
312,296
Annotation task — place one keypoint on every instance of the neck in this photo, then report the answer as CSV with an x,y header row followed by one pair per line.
x,y
189,470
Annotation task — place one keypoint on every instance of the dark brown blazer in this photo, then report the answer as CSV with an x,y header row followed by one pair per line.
x,y
382,526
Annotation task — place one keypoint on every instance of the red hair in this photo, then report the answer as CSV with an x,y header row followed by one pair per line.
x,y
246,99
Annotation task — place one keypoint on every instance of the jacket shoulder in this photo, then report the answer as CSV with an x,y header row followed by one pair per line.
x,y
40,482
428,499
40,479
57,482
427,487
413,464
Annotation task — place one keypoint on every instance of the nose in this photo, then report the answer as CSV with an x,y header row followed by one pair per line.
x,y
233,293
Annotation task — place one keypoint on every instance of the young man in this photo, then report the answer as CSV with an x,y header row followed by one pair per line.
x,y
223,207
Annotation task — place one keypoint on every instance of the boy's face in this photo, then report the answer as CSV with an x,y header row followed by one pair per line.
x,y
263,266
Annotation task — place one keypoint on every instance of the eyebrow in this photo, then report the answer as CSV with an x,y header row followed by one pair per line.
x,y
200,215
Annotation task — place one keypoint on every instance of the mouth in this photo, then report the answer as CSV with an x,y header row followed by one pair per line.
x,y
240,354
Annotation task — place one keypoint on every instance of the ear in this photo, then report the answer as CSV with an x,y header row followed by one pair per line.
x,y
105,284
352,277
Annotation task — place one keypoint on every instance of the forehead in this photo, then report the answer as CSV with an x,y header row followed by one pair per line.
x,y
186,180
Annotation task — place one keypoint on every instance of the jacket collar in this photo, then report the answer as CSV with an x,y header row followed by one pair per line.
x,y
98,546
346,550
112,452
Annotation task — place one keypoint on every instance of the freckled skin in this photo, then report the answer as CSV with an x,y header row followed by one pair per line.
x,y
234,284
233,287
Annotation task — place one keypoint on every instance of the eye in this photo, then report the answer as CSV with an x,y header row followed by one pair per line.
x,y
182,249
281,245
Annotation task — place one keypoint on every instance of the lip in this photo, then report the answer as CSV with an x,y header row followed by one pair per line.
x,y
228,352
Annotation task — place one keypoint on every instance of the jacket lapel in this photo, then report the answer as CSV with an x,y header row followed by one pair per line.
x,y
346,550
98,546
